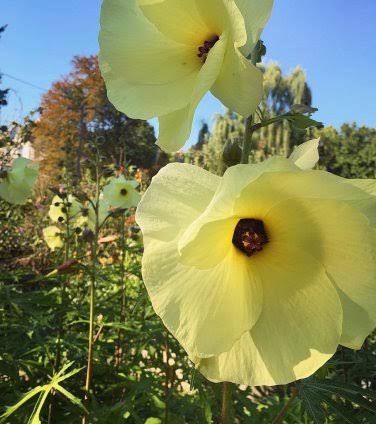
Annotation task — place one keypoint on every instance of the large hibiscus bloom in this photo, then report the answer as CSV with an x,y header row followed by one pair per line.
x,y
262,273
160,57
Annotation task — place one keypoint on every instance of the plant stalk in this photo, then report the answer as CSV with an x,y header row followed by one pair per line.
x,y
119,350
279,417
226,399
247,142
94,261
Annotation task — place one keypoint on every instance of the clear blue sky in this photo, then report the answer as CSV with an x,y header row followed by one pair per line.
x,y
334,41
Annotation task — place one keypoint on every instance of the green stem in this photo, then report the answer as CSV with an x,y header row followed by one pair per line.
x,y
90,338
247,142
94,263
167,381
226,399
119,352
64,283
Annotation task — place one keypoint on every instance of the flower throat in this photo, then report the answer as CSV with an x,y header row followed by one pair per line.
x,y
205,48
250,236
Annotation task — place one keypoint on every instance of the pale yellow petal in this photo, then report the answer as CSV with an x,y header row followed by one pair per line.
x,y
256,14
139,63
203,237
206,310
240,84
368,205
271,188
298,330
219,219
341,239
178,194
306,155
175,128
53,238
179,20
176,197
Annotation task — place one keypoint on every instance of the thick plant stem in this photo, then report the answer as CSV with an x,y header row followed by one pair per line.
x,y
278,419
89,369
167,381
119,349
94,263
226,399
90,337
247,142
64,283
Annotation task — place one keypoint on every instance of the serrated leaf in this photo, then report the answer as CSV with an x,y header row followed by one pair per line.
x,y
340,411
11,409
312,404
75,400
35,416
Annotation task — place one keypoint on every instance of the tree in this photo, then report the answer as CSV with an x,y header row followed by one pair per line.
x,y
350,152
281,93
3,93
75,112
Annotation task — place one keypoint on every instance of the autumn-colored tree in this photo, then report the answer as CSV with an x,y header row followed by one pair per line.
x,y
74,113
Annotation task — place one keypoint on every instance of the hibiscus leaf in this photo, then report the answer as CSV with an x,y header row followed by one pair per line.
x,y
11,409
340,411
311,403
302,122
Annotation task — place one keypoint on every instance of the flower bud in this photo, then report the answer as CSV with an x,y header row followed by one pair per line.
x,y
232,153
87,235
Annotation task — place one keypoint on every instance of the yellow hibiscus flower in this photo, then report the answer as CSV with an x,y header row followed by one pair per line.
x,y
52,237
61,209
121,193
160,57
262,273
17,185
89,219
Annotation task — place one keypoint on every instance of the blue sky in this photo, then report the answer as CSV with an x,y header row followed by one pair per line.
x,y
334,41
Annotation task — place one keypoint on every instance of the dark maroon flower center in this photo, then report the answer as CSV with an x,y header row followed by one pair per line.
x,y
205,48
123,191
250,236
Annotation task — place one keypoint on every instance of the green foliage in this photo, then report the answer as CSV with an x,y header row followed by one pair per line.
x,y
350,152
43,392
279,134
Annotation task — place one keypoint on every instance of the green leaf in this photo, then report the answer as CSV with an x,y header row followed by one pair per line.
x,y
340,411
35,416
312,404
152,420
159,403
302,122
23,400
75,400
